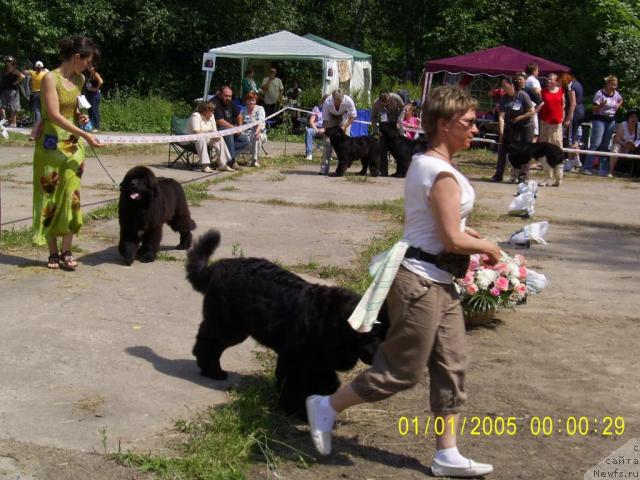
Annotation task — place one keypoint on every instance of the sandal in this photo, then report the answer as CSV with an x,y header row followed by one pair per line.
x,y
67,261
54,261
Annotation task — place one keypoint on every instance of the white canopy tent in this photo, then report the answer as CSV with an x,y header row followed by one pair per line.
x,y
285,45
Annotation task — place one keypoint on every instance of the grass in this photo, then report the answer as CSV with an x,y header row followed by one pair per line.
x,y
276,177
356,178
229,188
15,238
16,140
107,211
9,166
196,192
167,257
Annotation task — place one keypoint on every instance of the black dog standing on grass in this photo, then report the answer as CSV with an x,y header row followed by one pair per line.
x,y
146,203
348,149
402,148
304,323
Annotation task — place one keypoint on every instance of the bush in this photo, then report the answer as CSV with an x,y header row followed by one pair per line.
x,y
127,111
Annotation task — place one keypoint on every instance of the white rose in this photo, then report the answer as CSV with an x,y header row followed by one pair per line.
x,y
485,277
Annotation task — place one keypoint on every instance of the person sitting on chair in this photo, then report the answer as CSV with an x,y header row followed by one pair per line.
x,y
228,115
201,121
314,129
257,136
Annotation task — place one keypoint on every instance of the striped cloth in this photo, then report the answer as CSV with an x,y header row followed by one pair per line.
x,y
383,269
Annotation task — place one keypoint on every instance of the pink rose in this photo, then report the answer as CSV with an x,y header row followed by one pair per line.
x,y
501,268
521,289
522,272
502,283
474,263
468,278
472,289
495,291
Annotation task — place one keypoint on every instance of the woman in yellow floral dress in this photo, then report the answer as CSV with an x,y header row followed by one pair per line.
x,y
58,160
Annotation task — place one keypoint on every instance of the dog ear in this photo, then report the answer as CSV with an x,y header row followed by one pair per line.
x,y
154,185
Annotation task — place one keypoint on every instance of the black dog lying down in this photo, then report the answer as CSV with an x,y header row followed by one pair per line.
x,y
348,149
551,156
400,147
146,203
306,324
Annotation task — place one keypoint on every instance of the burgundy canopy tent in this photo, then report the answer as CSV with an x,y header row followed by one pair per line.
x,y
500,60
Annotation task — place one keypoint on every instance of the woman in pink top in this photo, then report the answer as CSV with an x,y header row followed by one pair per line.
x,y
551,112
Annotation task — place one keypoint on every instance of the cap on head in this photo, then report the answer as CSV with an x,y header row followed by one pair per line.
x,y
39,64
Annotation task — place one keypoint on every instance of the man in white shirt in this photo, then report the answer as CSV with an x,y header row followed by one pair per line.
x,y
273,90
534,90
338,109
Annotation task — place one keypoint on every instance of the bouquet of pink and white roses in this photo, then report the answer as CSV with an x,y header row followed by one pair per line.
x,y
486,287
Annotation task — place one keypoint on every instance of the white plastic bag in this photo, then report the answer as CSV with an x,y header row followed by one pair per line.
x,y
523,205
535,281
534,231
530,187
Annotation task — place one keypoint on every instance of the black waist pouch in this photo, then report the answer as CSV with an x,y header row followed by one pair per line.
x,y
454,263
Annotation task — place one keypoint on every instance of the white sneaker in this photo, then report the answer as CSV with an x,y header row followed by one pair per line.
x,y
309,157
225,168
474,469
255,164
319,422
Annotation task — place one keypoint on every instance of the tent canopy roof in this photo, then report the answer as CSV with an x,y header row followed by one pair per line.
x,y
356,54
500,60
282,45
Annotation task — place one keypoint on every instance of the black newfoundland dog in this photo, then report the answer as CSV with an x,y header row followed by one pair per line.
x,y
400,147
146,203
551,156
304,323
348,149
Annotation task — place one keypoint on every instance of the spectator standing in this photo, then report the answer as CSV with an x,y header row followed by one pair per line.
x,y
515,120
273,91
202,121
228,115
58,159
337,110
551,112
410,121
574,105
425,315
10,93
92,86
606,103
314,129
248,83
534,90
627,139
257,135
36,75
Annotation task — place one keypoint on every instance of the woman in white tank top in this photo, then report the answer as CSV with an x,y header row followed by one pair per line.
x,y
626,138
426,324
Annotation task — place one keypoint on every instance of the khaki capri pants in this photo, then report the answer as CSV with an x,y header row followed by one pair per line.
x,y
426,330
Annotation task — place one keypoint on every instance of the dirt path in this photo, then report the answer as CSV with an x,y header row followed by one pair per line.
x,y
102,356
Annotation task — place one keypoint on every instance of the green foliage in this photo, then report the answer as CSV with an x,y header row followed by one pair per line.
x,y
126,111
15,238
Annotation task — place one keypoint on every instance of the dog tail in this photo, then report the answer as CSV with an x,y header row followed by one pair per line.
x,y
198,260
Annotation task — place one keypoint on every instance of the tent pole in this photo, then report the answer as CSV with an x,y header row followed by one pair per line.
x,y
207,84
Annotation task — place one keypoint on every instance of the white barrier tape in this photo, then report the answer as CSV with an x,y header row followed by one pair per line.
x,y
151,139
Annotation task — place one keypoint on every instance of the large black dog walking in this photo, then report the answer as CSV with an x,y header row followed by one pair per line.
x,y
304,323
402,149
146,203
551,156
348,149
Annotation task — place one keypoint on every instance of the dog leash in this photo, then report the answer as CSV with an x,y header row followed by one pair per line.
x,y
115,184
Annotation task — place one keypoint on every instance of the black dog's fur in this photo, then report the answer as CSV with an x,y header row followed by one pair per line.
x,y
551,156
304,323
348,149
400,147
146,203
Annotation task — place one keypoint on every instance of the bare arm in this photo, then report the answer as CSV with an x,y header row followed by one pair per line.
x,y
500,126
50,94
98,79
572,107
445,204
528,114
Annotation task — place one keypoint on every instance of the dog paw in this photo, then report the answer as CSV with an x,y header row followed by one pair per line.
x,y
147,257
183,246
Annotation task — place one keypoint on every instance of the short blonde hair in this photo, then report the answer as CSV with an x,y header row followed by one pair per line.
x,y
337,95
445,102
611,78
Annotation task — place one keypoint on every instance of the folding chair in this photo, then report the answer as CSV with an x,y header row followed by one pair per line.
x,y
184,152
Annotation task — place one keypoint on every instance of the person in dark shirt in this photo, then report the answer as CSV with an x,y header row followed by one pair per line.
x,y
9,95
228,115
515,120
